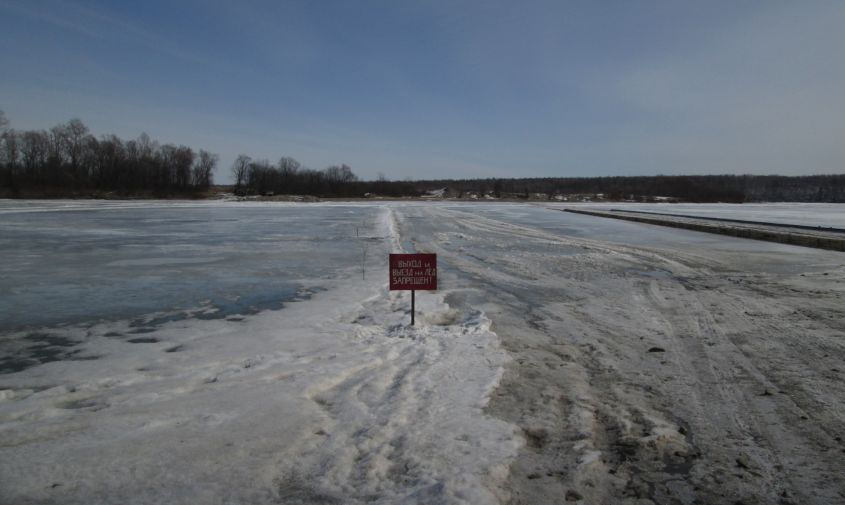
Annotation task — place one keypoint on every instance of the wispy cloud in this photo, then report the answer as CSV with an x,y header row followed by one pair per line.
x,y
103,25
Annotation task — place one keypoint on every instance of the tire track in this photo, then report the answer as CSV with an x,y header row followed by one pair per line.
x,y
639,373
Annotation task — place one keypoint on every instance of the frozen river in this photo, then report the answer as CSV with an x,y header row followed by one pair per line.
x,y
232,352
77,261
74,263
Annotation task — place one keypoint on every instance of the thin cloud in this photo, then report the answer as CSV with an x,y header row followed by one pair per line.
x,y
100,25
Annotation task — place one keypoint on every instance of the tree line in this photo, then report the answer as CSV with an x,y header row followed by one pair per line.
x,y
67,159
288,176
690,188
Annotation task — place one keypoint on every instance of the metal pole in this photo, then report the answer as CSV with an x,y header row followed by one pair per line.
x,y
412,306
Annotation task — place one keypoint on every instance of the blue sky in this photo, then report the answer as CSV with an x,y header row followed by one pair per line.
x,y
445,89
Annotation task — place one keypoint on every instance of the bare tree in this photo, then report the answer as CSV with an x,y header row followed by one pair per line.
x,y
184,160
75,133
11,153
260,176
58,141
340,174
288,170
288,166
4,125
346,174
110,158
146,147
203,169
239,170
34,148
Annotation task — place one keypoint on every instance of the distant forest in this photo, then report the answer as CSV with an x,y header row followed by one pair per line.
x,y
688,188
68,161
289,177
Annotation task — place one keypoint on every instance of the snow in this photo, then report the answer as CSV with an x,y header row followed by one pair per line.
x,y
740,253
806,214
235,352
580,302
331,397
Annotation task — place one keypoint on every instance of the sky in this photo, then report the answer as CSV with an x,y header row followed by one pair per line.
x,y
445,89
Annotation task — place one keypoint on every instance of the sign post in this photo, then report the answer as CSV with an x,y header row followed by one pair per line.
x,y
410,272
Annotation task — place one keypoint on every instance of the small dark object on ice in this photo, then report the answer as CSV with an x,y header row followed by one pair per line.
x,y
573,495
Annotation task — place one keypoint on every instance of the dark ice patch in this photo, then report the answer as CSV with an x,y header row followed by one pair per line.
x,y
43,348
143,340
91,404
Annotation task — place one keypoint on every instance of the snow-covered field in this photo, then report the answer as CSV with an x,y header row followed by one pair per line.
x,y
231,352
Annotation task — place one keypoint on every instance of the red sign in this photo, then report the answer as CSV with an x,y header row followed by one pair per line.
x,y
413,271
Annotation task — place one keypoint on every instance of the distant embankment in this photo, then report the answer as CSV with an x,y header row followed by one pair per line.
x,y
820,238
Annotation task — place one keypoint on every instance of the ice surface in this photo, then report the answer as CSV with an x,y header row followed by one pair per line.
x,y
806,214
116,262
231,352
741,254
329,399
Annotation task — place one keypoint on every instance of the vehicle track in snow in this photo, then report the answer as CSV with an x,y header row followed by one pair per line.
x,y
652,374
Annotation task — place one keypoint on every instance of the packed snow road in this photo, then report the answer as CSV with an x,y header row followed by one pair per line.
x,y
653,365
564,358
